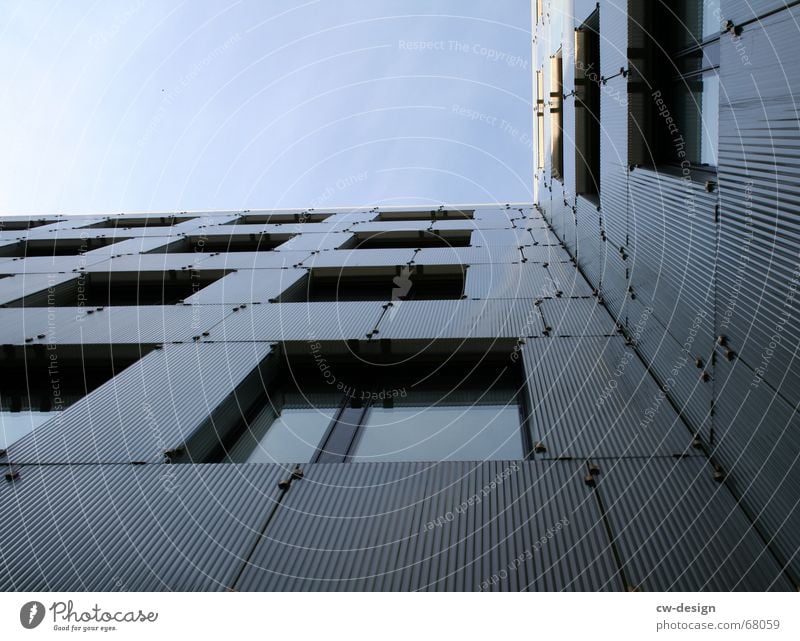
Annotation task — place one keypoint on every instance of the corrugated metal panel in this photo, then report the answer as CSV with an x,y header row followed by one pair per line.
x,y
509,237
757,441
577,317
546,254
148,262
542,236
673,246
689,381
111,325
248,286
467,255
14,288
520,281
394,226
132,246
678,530
483,224
156,405
759,147
133,528
461,319
254,260
592,397
374,527
740,11
614,282
568,280
360,258
314,242
335,321
49,264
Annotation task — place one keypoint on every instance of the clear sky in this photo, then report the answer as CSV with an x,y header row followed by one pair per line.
x,y
163,105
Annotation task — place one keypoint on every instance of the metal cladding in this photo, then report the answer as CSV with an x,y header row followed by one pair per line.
x,y
697,260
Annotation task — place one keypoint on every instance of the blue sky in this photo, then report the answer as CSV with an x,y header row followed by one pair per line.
x,y
154,105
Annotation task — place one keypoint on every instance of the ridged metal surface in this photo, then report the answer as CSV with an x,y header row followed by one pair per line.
x,y
50,264
759,147
460,319
14,288
247,286
740,11
253,260
591,397
314,242
678,530
468,255
154,406
520,281
149,262
336,321
374,527
508,237
131,528
577,317
360,258
568,280
757,442
108,326
546,254
132,246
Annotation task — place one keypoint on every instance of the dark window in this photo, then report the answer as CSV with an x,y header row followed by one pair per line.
x,y
587,107
272,219
674,108
434,214
139,221
35,386
223,243
557,117
101,289
21,225
431,412
408,239
377,284
56,246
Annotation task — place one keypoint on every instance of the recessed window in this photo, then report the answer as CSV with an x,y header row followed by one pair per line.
x,y
101,289
587,107
461,411
675,117
56,246
22,225
139,221
557,117
377,284
273,219
434,214
233,243
409,239
540,102
35,385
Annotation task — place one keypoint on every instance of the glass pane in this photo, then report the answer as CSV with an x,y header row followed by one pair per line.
x,y
290,436
425,433
15,425
697,108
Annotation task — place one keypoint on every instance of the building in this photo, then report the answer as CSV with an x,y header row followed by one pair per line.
x,y
667,154
561,395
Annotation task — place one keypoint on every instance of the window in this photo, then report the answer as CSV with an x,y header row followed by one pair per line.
x,y
35,387
101,289
462,411
15,224
57,246
539,119
587,107
377,284
674,111
539,11
139,221
556,118
224,243
409,239
272,219
434,214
